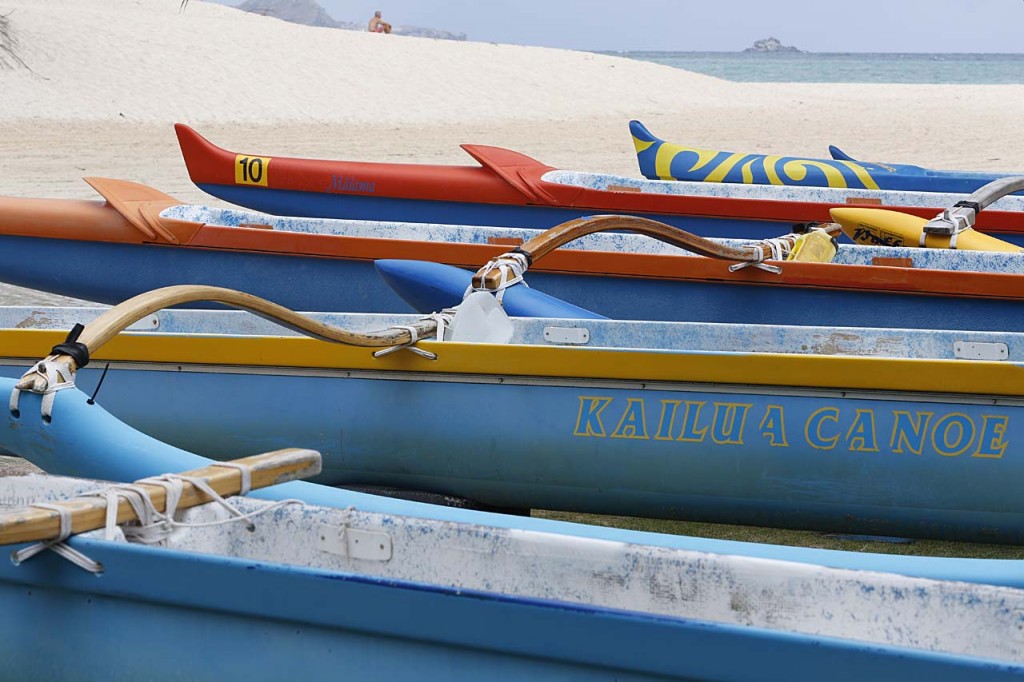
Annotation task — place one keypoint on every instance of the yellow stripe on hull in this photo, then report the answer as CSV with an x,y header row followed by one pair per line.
x,y
764,369
862,174
641,145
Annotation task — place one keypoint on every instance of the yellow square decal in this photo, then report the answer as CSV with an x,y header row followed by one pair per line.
x,y
251,170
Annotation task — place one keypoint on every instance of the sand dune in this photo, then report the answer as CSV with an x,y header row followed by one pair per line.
x,y
148,61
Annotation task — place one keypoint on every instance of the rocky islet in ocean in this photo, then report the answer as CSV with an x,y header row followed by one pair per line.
x,y
771,45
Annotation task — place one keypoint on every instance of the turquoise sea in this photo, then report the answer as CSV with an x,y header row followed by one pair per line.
x,y
811,67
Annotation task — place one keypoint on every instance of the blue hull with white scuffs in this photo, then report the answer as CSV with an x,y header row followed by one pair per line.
x,y
150,604
428,287
309,283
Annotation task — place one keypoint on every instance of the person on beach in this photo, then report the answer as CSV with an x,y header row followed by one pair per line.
x,y
378,25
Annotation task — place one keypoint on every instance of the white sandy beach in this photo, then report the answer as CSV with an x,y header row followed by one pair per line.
x,y
93,88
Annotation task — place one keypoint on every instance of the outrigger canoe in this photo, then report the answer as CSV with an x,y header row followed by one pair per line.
x,y
883,431
661,160
431,286
384,593
510,189
140,239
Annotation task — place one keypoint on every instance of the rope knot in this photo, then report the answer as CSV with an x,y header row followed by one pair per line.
x,y
410,345
776,248
45,378
511,267
152,526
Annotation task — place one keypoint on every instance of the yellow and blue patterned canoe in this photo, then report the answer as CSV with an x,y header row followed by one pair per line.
x,y
661,160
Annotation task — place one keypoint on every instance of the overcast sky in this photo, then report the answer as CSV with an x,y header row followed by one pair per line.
x,y
722,25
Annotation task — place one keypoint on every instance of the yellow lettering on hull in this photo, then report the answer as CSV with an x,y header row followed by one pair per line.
x,y
850,429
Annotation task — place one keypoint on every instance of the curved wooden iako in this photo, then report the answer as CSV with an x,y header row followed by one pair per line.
x,y
89,512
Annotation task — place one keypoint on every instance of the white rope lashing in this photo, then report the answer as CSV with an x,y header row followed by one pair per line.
x,y
442,321
244,472
778,248
58,545
153,526
511,267
951,222
952,238
410,345
58,376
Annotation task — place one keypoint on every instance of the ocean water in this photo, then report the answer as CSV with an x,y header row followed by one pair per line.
x,y
810,67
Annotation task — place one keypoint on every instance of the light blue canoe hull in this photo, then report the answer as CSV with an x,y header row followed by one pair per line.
x,y
174,616
85,440
821,460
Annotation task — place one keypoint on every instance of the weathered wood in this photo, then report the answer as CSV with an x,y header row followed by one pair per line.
x,y
123,315
115,320
560,235
89,513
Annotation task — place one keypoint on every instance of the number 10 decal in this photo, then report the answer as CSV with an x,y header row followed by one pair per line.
x,y
251,170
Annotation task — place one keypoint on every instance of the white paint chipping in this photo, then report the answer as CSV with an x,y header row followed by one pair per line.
x,y
952,617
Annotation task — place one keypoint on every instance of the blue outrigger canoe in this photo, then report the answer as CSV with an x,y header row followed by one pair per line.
x,y
661,160
883,431
374,588
328,265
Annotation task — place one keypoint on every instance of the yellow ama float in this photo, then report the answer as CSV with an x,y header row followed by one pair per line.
x,y
951,229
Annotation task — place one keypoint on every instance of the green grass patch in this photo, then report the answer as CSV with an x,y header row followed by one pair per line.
x,y
794,538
